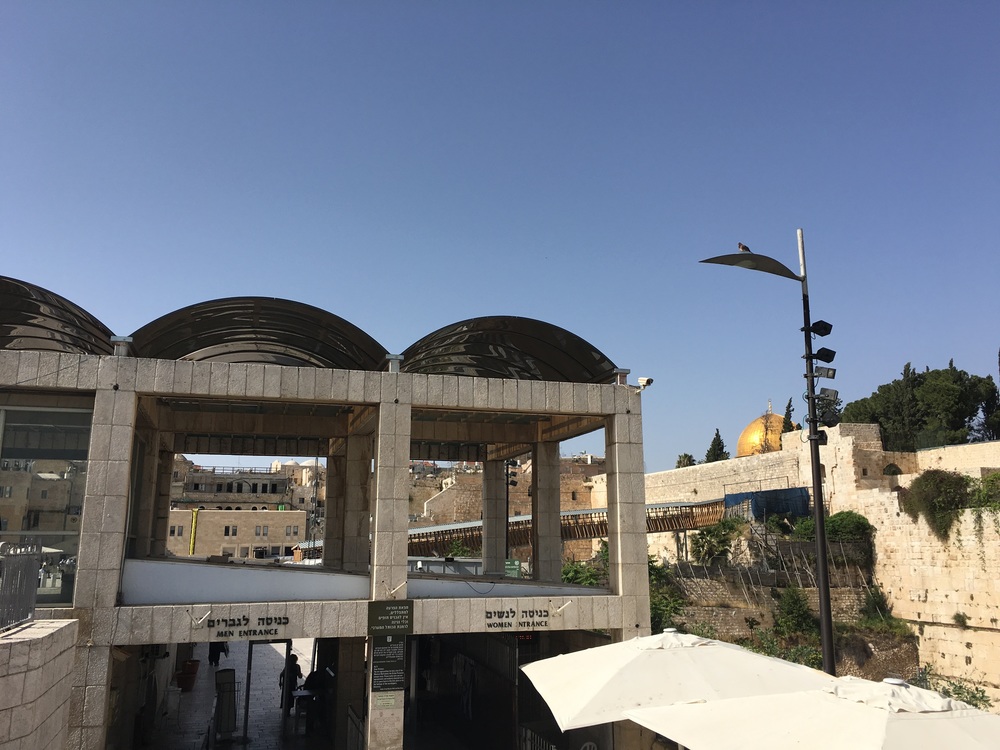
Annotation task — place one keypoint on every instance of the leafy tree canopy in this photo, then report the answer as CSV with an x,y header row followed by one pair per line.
x,y
930,408
685,459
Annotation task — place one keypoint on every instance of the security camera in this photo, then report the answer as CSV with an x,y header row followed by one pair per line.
x,y
645,382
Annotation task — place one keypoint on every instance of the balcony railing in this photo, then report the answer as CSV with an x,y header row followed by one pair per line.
x,y
19,567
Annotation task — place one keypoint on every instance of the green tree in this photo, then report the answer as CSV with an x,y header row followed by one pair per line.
x,y
458,548
934,407
787,425
717,450
685,459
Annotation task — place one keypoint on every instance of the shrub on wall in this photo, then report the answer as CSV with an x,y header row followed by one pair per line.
x,y
938,496
712,543
793,614
846,526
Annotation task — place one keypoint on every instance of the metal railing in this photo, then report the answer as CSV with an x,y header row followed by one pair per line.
x,y
19,566
574,524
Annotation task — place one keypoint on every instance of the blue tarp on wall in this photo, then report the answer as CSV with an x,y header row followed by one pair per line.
x,y
792,500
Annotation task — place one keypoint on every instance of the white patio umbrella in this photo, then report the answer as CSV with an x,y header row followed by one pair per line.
x,y
598,685
854,713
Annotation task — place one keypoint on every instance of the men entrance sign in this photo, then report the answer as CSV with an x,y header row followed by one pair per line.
x,y
390,617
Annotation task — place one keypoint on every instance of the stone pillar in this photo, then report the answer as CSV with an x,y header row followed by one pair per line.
x,y
357,504
334,530
142,510
494,517
351,689
628,569
161,501
384,726
102,545
546,532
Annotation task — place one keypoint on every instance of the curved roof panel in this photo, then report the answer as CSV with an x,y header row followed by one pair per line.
x,y
36,319
509,347
260,330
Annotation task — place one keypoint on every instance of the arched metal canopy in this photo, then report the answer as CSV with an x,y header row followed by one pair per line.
x,y
259,330
509,347
36,319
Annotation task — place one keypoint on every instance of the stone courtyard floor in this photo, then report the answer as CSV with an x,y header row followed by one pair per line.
x,y
185,726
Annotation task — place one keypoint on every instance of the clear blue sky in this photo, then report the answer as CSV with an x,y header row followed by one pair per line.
x,y
407,165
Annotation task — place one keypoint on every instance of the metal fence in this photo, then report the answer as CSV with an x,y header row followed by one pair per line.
x,y
19,566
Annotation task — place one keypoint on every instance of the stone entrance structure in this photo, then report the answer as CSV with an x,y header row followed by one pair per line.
x,y
256,376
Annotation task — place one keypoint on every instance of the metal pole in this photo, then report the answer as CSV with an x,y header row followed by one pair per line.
x,y
246,694
506,520
822,573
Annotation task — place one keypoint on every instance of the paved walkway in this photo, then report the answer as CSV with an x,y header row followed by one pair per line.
x,y
186,724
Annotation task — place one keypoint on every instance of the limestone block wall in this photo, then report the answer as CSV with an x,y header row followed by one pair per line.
x,y
975,459
728,619
462,501
36,669
949,592
713,481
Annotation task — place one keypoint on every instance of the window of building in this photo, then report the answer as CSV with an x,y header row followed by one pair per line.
x,y
173,531
295,530
263,489
275,550
5,491
196,486
180,531
288,531
45,494
253,488
229,486
177,475
274,487
218,486
230,531
265,531
256,531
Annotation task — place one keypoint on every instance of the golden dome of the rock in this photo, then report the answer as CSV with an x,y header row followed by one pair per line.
x,y
763,435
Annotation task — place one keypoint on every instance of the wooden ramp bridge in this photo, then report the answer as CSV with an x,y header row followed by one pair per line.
x,y
432,541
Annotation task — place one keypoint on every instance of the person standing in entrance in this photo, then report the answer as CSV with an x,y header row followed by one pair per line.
x,y
288,681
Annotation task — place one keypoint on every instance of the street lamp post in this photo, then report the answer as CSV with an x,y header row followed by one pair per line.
x,y
747,259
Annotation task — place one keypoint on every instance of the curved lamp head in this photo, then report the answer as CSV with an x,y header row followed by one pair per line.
x,y
755,262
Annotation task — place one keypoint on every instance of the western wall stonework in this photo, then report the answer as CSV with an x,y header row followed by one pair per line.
x,y
949,592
